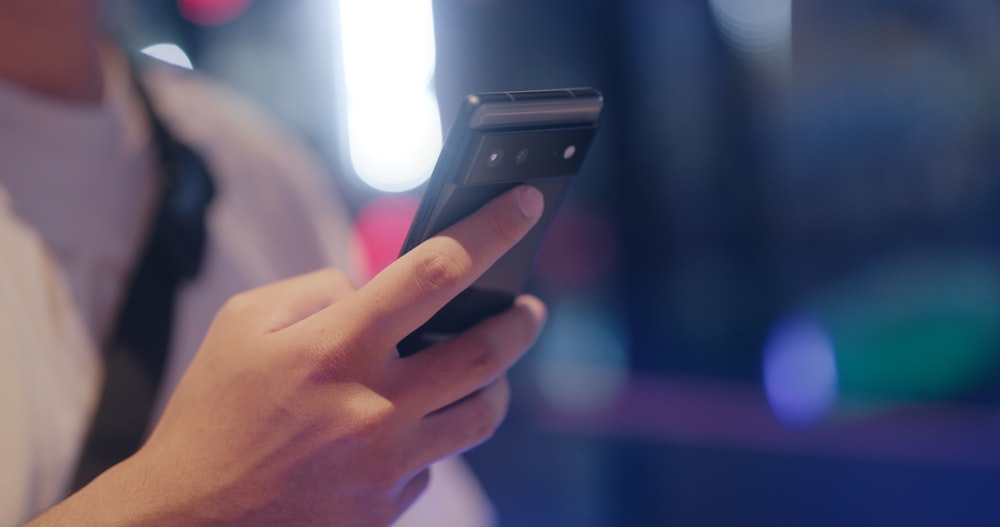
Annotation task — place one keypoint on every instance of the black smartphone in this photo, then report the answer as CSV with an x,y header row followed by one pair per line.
x,y
500,141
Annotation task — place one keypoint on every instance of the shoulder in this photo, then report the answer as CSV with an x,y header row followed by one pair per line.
x,y
271,185
226,126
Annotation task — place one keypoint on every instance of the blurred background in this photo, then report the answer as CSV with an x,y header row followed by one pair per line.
x,y
775,286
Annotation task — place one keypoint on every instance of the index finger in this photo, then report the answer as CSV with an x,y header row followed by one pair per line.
x,y
413,288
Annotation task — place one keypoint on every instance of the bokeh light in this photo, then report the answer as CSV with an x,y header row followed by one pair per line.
x,y
169,53
393,123
915,330
800,370
582,357
759,29
212,12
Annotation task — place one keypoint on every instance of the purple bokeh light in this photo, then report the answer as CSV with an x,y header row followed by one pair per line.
x,y
800,371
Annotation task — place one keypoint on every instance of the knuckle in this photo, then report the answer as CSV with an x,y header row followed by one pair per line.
x,y
503,229
438,271
326,355
372,422
394,391
235,302
484,354
371,431
237,306
370,416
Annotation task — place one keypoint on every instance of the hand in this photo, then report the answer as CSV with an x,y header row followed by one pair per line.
x,y
298,410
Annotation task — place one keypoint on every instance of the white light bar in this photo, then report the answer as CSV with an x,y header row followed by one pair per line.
x,y
393,124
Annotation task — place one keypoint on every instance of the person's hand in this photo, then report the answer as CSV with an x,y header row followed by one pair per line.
x,y
298,410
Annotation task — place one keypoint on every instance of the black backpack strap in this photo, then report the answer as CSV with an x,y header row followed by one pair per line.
x,y
136,352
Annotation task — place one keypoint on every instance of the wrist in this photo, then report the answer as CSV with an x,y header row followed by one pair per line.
x,y
126,495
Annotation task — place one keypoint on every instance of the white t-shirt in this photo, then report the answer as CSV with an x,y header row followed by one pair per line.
x,y
76,184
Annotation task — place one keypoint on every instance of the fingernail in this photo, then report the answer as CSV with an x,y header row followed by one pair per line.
x,y
531,202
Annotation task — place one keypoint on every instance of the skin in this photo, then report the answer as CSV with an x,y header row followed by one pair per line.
x,y
297,409
51,47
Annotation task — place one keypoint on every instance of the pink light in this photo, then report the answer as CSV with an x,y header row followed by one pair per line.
x,y
380,228
212,12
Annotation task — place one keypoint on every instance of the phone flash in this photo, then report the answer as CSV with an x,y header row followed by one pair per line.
x,y
569,152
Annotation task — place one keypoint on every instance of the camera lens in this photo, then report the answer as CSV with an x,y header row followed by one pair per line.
x,y
493,160
569,152
522,156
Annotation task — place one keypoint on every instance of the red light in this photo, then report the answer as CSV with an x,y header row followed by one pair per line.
x,y
212,12
380,228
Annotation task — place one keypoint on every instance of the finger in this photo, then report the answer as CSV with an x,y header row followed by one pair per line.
x,y
451,370
282,304
414,287
463,425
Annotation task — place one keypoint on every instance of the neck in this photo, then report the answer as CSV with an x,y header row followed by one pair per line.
x,y
51,47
